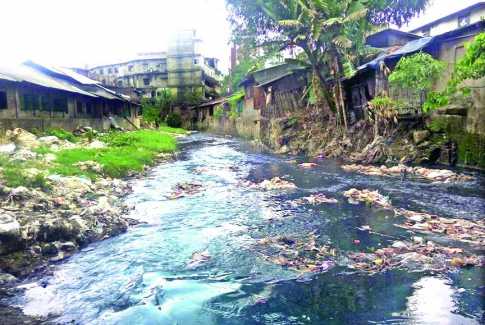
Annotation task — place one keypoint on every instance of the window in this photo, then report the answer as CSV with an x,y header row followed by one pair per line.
x,y
464,20
101,72
116,70
145,66
3,100
427,32
60,104
30,102
146,82
120,83
110,71
130,67
195,61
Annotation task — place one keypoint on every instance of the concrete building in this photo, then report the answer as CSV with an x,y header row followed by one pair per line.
x,y
182,69
462,18
40,96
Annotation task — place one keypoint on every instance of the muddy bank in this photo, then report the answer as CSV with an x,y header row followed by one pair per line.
x,y
437,139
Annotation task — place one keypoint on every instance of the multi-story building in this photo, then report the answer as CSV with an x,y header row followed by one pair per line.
x,y
182,69
456,20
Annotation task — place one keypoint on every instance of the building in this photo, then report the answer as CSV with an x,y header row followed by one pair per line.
x,y
371,77
182,69
462,18
41,96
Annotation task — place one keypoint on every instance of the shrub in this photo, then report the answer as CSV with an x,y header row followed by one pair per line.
x,y
174,120
218,112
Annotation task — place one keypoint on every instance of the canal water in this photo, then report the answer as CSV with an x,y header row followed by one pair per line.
x,y
146,276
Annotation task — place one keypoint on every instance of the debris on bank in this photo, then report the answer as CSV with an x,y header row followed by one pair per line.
x,y
413,256
45,215
435,175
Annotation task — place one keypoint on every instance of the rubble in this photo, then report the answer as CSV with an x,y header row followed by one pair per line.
x,y
414,257
435,175
314,199
22,138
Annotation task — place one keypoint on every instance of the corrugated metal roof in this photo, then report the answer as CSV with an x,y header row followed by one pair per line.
x,y
408,48
25,73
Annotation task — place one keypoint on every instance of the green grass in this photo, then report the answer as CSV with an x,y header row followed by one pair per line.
x,y
165,128
127,152
13,174
62,134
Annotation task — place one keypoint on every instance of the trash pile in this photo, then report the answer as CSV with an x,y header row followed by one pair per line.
x,y
299,255
413,256
313,199
370,197
435,175
185,189
456,229
37,226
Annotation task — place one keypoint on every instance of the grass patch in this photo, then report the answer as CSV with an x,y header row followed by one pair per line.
x,y
126,152
165,128
14,174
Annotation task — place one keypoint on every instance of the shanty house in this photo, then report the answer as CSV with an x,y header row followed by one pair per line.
x,y
371,77
40,96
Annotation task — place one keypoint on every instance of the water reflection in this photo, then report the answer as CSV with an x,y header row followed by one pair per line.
x,y
434,302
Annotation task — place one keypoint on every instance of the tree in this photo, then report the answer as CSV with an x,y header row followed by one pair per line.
x,y
329,33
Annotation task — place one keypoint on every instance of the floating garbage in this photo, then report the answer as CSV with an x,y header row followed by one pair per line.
x,y
314,199
456,229
198,258
299,255
275,183
184,189
371,197
308,165
435,175
413,257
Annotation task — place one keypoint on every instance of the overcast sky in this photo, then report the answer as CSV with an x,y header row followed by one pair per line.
x,y
92,32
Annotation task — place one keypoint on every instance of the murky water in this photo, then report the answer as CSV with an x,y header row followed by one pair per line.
x,y
142,277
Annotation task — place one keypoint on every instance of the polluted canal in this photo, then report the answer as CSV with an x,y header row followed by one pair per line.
x,y
223,241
